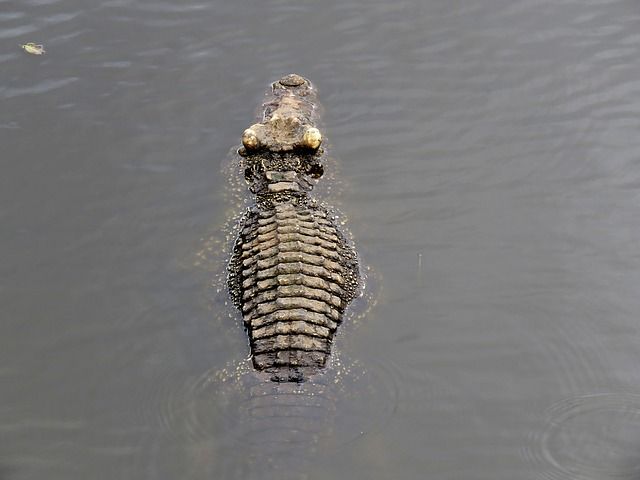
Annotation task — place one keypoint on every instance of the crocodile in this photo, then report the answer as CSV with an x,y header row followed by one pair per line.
x,y
292,271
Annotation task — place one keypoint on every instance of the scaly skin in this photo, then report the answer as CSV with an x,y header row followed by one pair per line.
x,y
292,272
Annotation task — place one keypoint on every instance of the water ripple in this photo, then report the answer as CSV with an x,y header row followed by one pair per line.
x,y
38,88
60,17
17,31
154,14
222,401
5,16
38,3
222,411
590,436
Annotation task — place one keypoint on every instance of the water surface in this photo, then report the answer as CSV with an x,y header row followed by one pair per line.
x,y
486,157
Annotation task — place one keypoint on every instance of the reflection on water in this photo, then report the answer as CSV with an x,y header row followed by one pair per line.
x,y
485,154
236,421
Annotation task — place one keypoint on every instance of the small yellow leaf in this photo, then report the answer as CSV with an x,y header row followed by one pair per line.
x,y
33,48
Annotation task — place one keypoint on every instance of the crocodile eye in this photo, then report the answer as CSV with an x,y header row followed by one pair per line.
x,y
250,139
312,138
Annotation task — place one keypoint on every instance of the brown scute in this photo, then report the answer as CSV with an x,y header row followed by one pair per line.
x,y
291,342
291,358
290,365
267,228
273,249
296,257
302,279
289,316
286,303
319,232
251,298
291,327
294,267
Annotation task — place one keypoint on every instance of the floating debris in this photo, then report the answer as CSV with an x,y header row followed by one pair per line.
x,y
33,49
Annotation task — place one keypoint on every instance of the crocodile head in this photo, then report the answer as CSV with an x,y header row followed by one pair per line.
x,y
288,122
282,153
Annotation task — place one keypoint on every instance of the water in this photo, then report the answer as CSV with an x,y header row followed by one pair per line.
x,y
487,161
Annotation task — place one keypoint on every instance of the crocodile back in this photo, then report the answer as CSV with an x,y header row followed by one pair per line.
x,y
292,275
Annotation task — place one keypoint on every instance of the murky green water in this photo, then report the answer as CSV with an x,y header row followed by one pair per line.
x,y
487,158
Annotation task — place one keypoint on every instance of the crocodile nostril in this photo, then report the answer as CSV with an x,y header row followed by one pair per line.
x,y
292,80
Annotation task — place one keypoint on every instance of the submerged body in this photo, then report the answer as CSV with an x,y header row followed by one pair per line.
x,y
292,272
